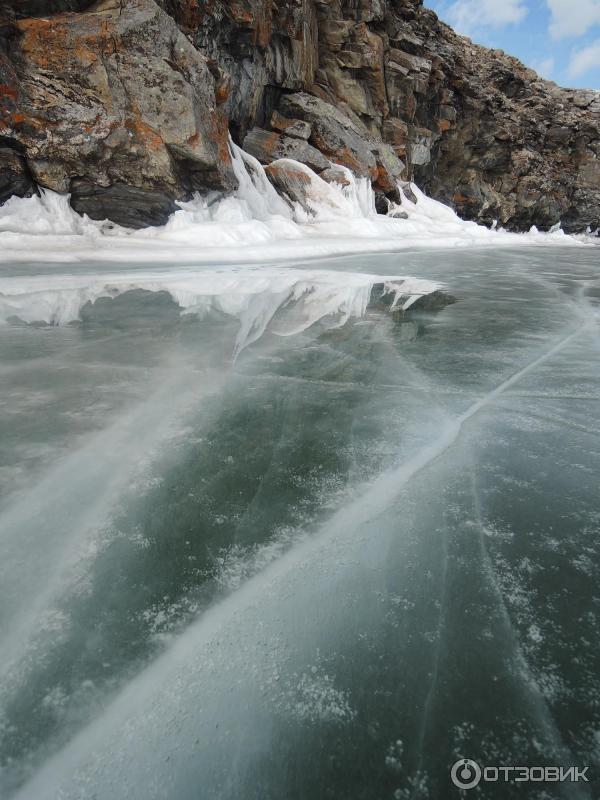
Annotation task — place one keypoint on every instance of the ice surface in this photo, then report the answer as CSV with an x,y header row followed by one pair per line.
x,y
121,745
264,577
253,225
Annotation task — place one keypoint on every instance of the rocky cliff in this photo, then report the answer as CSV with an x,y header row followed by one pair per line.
x,y
128,104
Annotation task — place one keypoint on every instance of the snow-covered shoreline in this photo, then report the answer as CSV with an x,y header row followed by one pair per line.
x,y
240,255
254,226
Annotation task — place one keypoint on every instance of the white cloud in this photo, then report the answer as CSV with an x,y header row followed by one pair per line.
x,y
470,15
545,67
584,60
573,17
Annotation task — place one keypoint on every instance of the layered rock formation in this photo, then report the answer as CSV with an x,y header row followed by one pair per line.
x,y
114,105
126,104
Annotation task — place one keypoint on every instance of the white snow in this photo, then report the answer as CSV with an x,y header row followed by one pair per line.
x,y
253,226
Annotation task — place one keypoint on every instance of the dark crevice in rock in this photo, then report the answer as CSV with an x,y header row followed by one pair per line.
x,y
21,9
15,178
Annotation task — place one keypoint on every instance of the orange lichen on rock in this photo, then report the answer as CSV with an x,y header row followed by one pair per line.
x,y
8,92
144,133
462,199
290,171
128,100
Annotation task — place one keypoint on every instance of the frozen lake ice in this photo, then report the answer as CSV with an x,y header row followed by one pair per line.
x,y
326,568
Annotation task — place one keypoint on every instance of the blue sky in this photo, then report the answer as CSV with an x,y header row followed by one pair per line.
x,y
558,38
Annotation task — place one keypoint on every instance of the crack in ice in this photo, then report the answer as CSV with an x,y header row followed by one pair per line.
x,y
83,754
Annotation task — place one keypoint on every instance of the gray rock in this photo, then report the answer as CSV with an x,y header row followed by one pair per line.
x,y
268,146
420,154
382,204
296,128
263,47
335,174
125,205
411,62
408,193
141,113
398,214
390,170
333,133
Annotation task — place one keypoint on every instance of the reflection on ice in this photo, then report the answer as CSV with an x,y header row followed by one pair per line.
x,y
253,296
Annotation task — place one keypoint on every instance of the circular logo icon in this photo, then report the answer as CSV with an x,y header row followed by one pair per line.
x,y
466,774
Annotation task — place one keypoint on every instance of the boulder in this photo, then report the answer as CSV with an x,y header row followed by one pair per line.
x,y
332,132
117,96
301,186
296,128
130,206
336,174
382,204
269,146
290,180
390,170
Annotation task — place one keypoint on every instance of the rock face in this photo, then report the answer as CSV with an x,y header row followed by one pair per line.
x,y
127,105
111,102
268,146
332,132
